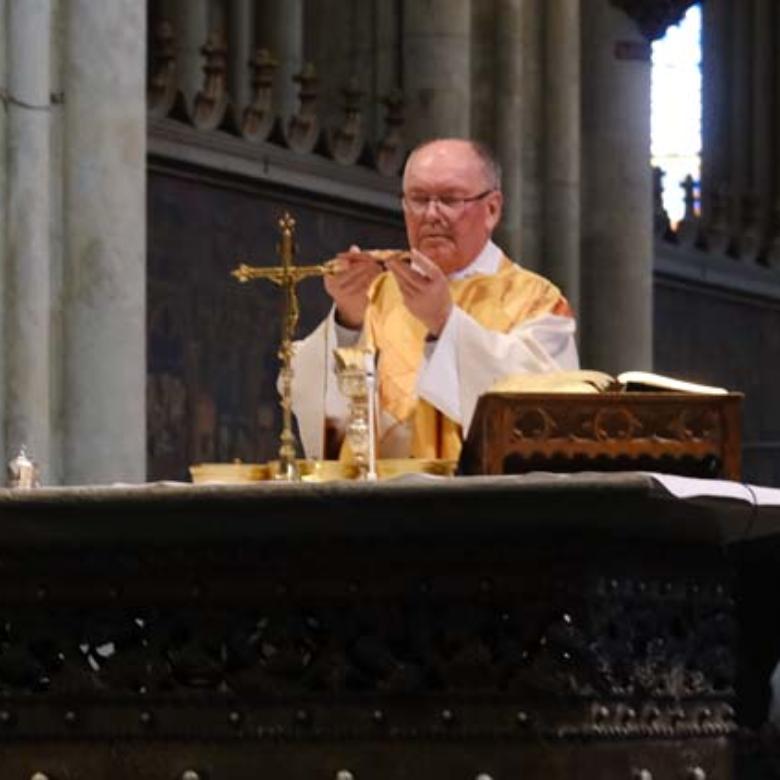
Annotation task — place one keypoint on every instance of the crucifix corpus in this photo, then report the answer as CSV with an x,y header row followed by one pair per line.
x,y
287,275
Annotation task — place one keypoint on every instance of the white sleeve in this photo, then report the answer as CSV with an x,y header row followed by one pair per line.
x,y
315,394
469,358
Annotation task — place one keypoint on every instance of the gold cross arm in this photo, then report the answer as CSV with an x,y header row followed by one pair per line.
x,y
282,275
287,274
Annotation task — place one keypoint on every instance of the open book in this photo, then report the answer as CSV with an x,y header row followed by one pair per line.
x,y
586,381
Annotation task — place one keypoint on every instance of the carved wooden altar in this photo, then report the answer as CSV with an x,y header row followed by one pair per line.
x,y
549,627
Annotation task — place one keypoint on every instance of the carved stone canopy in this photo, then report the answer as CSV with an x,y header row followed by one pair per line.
x,y
654,16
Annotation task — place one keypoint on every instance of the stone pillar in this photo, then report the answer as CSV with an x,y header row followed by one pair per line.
x,y
105,236
740,118
363,66
436,38
562,148
763,136
279,28
57,208
739,107
191,28
27,287
508,94
774,103
531,132
483,66
714,125
387,61
3,203
617,246
330,54
240,42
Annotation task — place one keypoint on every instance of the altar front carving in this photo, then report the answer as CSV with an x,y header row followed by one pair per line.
x,y
511,626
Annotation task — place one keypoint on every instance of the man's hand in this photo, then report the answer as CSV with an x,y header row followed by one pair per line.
x,y
349,286
425,290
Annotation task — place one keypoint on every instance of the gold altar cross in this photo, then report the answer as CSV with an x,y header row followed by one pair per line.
x,y
286,276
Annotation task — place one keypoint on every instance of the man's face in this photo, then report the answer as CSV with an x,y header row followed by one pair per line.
x,y
452,238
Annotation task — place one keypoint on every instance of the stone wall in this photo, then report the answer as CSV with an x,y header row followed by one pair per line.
x,y
72,133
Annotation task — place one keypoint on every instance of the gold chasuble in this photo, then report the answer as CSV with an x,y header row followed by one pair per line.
x,y
499,302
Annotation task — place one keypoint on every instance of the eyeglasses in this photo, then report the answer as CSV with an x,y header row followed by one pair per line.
x,y
449,206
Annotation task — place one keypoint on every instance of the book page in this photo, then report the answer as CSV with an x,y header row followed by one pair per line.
x,y
582,381
645,380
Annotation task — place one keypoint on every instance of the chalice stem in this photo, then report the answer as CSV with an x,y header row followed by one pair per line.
x,y
371,474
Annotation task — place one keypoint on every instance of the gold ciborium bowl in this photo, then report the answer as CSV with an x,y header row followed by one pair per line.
x,y
235,473
396,467
318,470
330,470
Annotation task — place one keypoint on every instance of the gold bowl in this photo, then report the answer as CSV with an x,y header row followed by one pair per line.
x,y
329,470
395,467
236,473
318,470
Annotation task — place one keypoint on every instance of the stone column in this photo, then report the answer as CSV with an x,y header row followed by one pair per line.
x,y
105,236
508,94
57,209
191,28
617,247
531,133
240,38
387,62
714,125
739,107
562,148
483,65
3,202
436,37
330,54
363,61
279,28
774,103
27,296
763,136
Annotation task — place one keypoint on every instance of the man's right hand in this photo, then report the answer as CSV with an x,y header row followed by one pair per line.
x,y
349,285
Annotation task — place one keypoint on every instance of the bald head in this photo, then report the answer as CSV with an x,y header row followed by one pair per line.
x,y
490,165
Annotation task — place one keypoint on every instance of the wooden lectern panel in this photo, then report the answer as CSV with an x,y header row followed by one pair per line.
x,y
676,433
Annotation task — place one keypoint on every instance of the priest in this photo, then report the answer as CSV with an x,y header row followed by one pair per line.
x,y
447,318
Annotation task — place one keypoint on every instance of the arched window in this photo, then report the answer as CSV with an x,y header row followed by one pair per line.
x,y
676,109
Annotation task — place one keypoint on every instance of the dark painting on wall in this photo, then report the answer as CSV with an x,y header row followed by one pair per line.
x,y
212,342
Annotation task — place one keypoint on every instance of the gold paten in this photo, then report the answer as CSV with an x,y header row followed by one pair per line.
x,y
323,470
317,470
396,467
229,473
